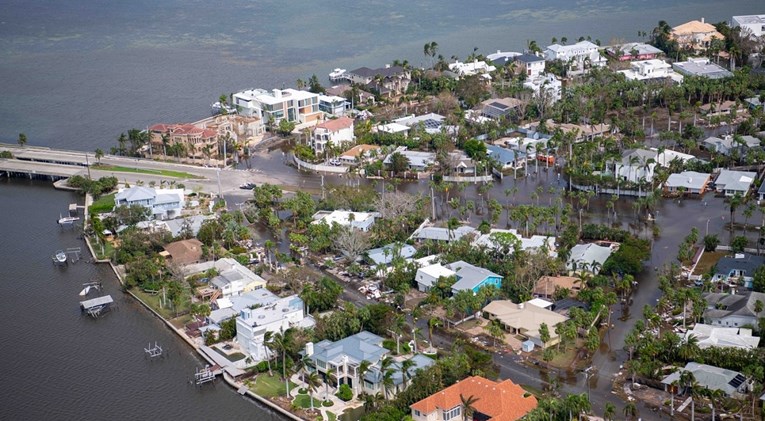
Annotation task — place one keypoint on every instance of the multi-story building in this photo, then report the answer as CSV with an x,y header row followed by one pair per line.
x,y
162,203
752,24
273,106
651,70
278,316
580,55
696,34
337,132
388,80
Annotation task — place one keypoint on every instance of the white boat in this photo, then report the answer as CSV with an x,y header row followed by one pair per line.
x,y
60,256
337,74
85,291
68,220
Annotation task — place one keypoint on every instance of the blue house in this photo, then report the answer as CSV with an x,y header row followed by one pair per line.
x,y
508,158
472,278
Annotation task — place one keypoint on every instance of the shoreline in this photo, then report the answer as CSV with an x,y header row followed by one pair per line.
x,y
228,379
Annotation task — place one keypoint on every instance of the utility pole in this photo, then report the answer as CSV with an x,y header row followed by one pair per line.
x,y
322,187
432,204
87,164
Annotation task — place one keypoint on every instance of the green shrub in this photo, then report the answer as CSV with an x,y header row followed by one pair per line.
x,y
344,393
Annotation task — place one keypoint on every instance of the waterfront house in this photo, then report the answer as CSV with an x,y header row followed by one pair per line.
x,y
358,154
334,105
162,203
226,308
738,268
335,132
589,257
636,165
754,25
546,87
273,106
342,358
690,182
633,51
727,144
502,58
233,278
579,56
430,233
651,70
388,81
386,254
709,336
427,276
498,108
547,286
702,67
733,310
525,319
494,401
498,238
253,322
472,278
184,252
362,221
732,182
732,383
696,35
418,160
194,137
480,68
507,158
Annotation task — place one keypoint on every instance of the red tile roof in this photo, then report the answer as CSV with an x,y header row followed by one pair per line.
x,y
505,401
336,124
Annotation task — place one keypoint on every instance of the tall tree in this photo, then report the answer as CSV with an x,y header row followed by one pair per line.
x,y
22,139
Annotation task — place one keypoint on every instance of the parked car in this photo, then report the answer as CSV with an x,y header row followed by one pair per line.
x,y
247,186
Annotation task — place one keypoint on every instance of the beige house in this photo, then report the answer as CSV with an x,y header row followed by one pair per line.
x,y
695,34
546,286
525,319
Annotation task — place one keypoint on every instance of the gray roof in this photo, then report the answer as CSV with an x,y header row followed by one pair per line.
x,y
135,194
711,377
708,70
721,305
761,190
735,180
528,58
687,179
416,158
175,226
374,375
442,234
627,48
366,72
468,276
503,155
641,154
589,253
378,255
357,348
748,264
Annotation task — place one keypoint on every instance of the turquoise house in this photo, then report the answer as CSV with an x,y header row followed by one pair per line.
x,y
472,278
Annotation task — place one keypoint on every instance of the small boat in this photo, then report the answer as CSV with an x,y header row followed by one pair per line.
x,y
67,220
85,291
337,74
60,257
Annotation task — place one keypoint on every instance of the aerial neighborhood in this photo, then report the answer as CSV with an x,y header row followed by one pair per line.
x,y
548,232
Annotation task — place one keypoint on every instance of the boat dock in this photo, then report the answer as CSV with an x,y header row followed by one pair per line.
x,y
96,306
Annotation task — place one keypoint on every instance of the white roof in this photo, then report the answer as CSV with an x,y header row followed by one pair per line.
x,y
342,217
539,302
437,271
687,179
589,253
268,97
723,337
393,128
735,180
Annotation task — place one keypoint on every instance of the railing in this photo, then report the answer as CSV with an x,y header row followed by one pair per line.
x,y
319,167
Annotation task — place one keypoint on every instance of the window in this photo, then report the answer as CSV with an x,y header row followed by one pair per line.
x,y
416,413
452,413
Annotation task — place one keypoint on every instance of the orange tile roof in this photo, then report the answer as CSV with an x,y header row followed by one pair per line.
x,y
336,124
505,401
358,150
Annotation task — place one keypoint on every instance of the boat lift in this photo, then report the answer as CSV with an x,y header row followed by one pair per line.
x,y
153,351
96,306
204,375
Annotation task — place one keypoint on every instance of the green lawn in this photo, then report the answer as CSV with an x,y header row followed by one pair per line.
x,y
101,254
234,357
103,204
165,173
153,301
332,417
304,401
270,387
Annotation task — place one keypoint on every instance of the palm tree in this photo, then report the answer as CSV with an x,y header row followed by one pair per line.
x,y
609,412
22,139
312,382
494,328
361,371
99,155
630,410
433,323
268,345
406,375
467,406
282,342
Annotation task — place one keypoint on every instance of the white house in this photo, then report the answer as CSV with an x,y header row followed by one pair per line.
x,y
589,257
754,24
733,310
668,155
651,70
418,160
163,203
545,86
431,122
734,182
709,336
273,106
636,166
473,68
233,279
497,238
334,105
277,316
531,65
580,54
427,276
727,144
358,220
392,128
337,132
688,182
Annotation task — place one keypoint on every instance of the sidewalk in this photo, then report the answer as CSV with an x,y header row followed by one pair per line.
x,y
338,406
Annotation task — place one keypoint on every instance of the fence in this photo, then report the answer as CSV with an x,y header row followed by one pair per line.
x,y
470,179
618,192
319,167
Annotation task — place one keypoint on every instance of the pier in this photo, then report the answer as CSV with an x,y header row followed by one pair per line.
x,y
153,351
204,375
96,306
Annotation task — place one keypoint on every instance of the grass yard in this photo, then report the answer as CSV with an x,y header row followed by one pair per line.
x,y
154,301
304,401
270,386
563,359
234,357
165,173
332,416
103,204
707,261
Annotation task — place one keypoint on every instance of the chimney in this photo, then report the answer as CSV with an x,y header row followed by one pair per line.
x,y
702,20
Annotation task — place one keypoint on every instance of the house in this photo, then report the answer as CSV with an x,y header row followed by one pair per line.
x,y
502,58
473,68
634,51
374,378
229,307
651,70
697,35
734,182
358,154
273,106
507,158
362,221
425,233
386,254
252,323
193,137
342,358
637,165
342,90
461,163
752,24
702,67
388,80
531,65
431,122
582,132
547,286
337,132
666,157
497,238
185,252
690,182
580,56
719,109
500,107
738,268
495,401
334,105
729,143
427,276
472,278
723,337
589,257
732,383
761,193
392,128
233,278
525,320
418,161
547,87
191,224
733,310
162,203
